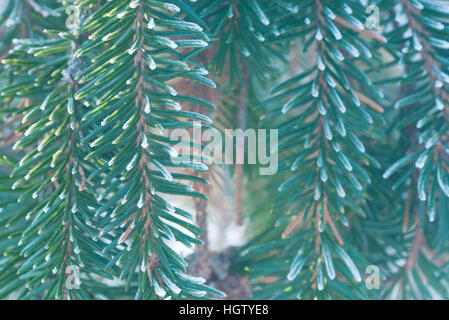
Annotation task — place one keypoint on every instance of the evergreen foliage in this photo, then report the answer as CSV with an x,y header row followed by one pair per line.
x,y
90,91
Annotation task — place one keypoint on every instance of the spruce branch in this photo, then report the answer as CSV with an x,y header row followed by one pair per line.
x,y
321,106
425,50
133,75
60,234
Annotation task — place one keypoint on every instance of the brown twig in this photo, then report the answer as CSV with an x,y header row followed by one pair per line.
x,y
328,219
371,103
241,119
418,242
292,226
365,32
